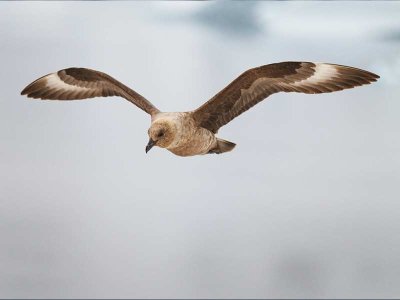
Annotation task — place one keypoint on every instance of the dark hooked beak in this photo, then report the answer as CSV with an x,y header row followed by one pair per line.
x,y
150,145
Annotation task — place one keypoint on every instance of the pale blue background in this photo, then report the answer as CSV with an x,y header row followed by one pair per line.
x,y
306,206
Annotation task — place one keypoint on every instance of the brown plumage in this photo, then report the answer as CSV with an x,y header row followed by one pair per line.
x,y
81,83
193,132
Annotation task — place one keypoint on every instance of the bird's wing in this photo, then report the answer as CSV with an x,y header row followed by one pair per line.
x,y
256,84
81,83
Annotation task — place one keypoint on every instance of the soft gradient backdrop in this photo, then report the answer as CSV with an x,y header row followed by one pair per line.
x,y
307,205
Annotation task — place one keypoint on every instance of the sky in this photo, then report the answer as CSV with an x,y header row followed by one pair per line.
x,y
306,206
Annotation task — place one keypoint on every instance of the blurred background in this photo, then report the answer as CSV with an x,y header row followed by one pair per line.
x,y
306,206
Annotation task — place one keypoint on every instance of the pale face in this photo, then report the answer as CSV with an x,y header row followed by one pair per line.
x,y
161,134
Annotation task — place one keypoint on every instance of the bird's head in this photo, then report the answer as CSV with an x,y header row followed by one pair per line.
x,y
161,133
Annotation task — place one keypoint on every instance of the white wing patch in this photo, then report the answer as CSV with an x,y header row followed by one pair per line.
x,y
54,82
323,72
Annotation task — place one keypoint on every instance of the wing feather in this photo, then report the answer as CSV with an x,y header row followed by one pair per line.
x,y
82,83
256,84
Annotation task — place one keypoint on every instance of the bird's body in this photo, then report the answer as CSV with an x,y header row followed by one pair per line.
x,y
194,132
189,139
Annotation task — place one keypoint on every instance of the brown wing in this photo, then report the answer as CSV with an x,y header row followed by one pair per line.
x,y
81,83
256,84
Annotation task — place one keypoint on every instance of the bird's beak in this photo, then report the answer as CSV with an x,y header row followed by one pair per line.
x,y
150,145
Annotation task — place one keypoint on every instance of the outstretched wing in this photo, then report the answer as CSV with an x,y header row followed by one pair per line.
x,y
256,84
81,83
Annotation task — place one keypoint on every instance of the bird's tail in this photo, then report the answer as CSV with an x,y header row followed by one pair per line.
x,y
222,146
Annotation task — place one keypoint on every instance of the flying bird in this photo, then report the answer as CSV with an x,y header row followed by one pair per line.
x,y
194,132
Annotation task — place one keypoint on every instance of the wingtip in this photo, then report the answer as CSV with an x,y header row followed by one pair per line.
x,y
27,91
374,76
24,91
364,74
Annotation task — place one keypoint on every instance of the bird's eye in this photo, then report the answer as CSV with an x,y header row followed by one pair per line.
x,y
160,134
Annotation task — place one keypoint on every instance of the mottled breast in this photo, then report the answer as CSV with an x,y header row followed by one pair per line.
x,y
191,139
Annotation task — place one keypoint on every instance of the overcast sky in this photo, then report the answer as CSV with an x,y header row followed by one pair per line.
x,y
307,205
